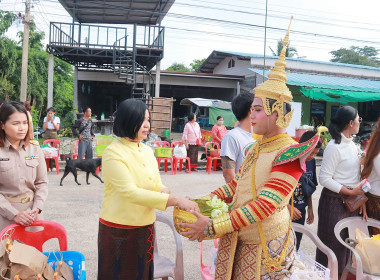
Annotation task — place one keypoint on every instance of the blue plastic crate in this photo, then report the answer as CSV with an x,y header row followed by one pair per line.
x,y
74,259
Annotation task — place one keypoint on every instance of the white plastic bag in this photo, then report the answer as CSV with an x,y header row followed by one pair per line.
x,y
179,151
369,251
50,152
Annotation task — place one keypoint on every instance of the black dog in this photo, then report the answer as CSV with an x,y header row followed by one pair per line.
x,y
86,165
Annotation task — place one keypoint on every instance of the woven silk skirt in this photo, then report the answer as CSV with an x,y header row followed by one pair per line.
x,y
373,211
330,211
125,254
247,262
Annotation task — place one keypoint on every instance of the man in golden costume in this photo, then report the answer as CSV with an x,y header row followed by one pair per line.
x,y
257,241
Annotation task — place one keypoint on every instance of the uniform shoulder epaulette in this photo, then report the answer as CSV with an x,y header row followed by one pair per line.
x,y
296,151
34,142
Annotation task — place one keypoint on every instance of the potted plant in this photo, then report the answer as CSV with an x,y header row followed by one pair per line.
x,y
65,137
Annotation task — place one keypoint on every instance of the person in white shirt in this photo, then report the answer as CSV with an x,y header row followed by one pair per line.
x,y
340,176
237,141
51,124
371,171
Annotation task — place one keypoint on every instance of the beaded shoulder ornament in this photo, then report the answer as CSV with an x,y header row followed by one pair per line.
x,y
296,151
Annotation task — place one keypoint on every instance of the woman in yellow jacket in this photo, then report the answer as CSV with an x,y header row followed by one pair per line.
x,y
132,191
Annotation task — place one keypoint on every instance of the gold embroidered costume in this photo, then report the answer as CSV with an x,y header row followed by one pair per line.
x,y
257,241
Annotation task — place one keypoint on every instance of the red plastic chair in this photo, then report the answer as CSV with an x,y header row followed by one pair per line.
x,y
180,159
37,238
75,154
54,143
211,160
164,144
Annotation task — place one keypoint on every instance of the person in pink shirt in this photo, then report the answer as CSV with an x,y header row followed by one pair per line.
x,y
191,133
218,130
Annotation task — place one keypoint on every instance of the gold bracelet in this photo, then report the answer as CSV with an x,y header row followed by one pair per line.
x,y
223,225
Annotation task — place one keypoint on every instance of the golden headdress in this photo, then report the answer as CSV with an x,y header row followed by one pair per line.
x,y
275,88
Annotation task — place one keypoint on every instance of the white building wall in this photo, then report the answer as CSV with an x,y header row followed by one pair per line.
x,y
240,69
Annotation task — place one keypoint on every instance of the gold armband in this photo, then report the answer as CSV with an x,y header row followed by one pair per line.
x,y
223,225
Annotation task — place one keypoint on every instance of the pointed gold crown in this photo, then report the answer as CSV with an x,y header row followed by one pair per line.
x,y
275,87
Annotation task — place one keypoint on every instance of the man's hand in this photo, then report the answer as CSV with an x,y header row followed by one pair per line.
x,y
196,230
80,137
296,214
92,138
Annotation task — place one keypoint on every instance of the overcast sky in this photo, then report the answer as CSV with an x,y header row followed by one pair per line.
x,y
318,26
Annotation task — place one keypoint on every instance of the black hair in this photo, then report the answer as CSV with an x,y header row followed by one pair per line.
x,y
86,108
129,118
287,106
241,105
218,118
342,118
308,135
51,109
6,110
190,117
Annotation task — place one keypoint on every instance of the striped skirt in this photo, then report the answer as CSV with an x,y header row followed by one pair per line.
x,y
125,253
330,211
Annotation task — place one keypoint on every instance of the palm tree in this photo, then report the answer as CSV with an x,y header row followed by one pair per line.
x,y
290,51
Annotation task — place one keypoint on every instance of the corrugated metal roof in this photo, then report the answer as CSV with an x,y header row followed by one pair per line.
x,y
203,102
302,59
328,82
145,12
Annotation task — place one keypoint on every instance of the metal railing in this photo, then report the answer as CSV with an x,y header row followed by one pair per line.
x,y
96,36
85,35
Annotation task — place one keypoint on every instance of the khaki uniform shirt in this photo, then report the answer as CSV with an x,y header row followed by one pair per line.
x,y
22,174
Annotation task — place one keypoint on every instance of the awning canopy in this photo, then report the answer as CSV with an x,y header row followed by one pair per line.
x,y
228,116
333,89
202,102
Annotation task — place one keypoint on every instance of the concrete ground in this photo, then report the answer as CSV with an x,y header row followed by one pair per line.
x,y
77,209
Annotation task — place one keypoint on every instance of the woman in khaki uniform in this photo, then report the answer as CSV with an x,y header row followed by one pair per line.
x,y
23,184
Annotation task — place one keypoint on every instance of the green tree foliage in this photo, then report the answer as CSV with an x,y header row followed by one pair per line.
x,y
6,88
178,67
290,51
181,67
196,64
6,20
35,37
10,74
356,55
63,91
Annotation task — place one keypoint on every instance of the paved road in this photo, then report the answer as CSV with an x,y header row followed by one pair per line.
x,y
77,209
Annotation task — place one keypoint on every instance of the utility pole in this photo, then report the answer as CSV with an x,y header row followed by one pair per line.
x,y
25,52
